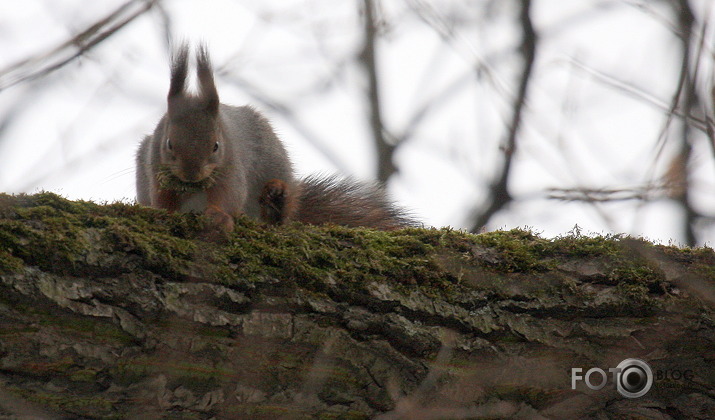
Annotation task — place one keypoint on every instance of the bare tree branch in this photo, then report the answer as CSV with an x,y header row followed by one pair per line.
x,y
627,88
167,23
385,166
42,64
609,195
499,196
689,100
707,111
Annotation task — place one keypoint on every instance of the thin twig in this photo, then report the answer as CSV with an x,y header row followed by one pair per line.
x,y
609,195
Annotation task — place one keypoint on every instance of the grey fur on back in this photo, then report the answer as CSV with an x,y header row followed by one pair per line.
x,y
257,152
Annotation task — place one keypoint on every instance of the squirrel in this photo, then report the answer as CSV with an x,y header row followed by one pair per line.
x,y
224,161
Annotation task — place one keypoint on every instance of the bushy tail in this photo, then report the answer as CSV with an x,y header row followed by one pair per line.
x,y
334,200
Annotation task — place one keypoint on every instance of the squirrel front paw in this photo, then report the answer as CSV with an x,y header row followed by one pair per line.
x,y
220,219
273,201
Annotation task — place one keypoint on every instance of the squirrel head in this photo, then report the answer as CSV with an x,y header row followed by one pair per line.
x,y
193,147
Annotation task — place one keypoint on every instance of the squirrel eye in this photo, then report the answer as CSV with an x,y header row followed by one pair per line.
x,y
168,143
215,147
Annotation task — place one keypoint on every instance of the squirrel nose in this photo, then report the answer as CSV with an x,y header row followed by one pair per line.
x,y
190,178
189,175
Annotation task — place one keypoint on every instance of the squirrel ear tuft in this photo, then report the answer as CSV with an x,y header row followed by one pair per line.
x,y
207,87
179,69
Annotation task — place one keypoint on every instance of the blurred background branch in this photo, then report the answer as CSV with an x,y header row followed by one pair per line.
x,y
40,65
368,60
498,196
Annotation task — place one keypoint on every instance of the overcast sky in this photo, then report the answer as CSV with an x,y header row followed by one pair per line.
x,y
75,131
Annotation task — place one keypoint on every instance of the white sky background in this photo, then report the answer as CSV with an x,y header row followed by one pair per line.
x,y
75,132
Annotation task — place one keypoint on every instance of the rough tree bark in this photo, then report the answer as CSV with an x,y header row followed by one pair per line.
x,y
119,311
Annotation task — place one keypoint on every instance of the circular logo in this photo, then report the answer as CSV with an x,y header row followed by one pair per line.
x,y
634,379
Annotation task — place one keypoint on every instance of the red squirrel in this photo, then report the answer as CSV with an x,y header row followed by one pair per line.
x,y
225,161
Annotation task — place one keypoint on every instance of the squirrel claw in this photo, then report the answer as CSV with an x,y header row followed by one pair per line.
x,y
273,201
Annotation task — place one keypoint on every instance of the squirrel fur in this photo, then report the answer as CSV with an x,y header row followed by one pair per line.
x,y
225,161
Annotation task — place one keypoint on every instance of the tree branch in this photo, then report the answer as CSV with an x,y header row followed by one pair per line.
x,y
499,196
385,166
46,63
688,100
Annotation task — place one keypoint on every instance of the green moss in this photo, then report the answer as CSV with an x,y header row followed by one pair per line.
x,y
47,199
213,332
84,375
8,262
635,293
518,250
577,245
635,271
50,243
700,260
312,255
76,238
523,251
56,235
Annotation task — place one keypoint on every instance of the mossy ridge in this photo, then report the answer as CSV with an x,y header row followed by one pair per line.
x,y
54,234
310,255
317,257
50,241
629,259
699,261
523,251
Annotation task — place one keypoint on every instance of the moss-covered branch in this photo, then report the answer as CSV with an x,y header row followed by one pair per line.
x,y
117,310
